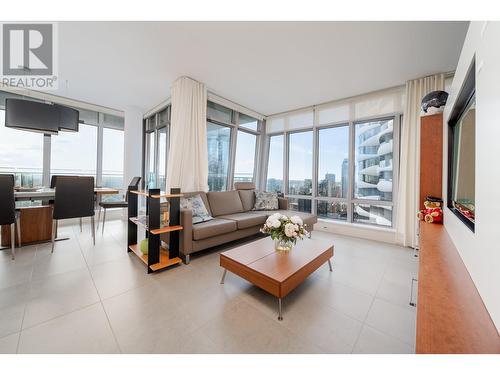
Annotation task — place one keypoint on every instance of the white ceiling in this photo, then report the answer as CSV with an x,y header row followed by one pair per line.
x,y
269,67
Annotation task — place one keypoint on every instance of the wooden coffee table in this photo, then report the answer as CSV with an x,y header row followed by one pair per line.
x,y
276,272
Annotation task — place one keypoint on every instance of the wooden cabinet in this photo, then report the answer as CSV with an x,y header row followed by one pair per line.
x,y
36,226
431,157
451,316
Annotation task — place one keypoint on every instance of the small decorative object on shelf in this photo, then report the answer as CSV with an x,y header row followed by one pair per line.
x,y
144,246
432,213
284,230
434,102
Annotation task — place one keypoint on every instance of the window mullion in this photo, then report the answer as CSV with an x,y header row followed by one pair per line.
x,y
46,149
99,150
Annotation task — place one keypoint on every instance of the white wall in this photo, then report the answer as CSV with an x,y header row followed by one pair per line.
x,y
480,251
132,163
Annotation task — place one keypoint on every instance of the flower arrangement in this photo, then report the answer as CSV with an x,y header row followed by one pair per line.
x,y
284,230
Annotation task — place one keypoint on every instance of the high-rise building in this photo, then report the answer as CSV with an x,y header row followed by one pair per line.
x,y
374,170
345,177
218,151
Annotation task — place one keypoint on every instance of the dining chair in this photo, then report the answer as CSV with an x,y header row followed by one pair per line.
x,y
116,204
53,180
74,198
8,214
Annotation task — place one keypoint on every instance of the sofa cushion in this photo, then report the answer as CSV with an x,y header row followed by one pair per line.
x,y
265,201
203,196
244,186
224,202
246,219
197,206
247,199
213,228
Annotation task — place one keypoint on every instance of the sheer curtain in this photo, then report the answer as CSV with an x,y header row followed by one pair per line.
x,y
187,166
407,204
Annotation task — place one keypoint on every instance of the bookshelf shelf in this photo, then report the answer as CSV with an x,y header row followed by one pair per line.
x,y
142,221
164,262
156,196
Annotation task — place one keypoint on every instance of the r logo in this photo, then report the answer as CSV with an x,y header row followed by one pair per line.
x,y
27,49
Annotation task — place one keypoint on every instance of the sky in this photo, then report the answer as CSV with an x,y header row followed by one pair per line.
x,y
19,149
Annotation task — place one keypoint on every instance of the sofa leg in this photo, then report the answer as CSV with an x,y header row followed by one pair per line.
x,y
186,259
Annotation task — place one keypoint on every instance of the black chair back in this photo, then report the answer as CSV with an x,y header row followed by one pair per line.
x,y
135,184
74,197
7,200
53,179
135,181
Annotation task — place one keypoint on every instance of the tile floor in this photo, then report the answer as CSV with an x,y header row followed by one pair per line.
x,y
86,299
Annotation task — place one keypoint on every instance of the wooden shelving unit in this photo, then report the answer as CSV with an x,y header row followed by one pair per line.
x,y
165,260
158,258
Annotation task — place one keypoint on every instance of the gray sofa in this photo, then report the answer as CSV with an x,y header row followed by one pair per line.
x,y
233,219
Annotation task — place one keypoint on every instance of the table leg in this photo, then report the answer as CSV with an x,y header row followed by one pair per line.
x,y
223,276
330,265
280,315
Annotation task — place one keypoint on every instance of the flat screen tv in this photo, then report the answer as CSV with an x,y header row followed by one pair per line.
x,y
462,153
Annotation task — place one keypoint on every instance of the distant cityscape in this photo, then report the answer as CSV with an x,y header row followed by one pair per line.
x,y
32,178
373,179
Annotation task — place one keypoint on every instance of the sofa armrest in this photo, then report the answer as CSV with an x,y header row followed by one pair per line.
x,y
186,237
283,203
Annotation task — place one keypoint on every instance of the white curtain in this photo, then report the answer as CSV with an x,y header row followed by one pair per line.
x,y
407,203
187,166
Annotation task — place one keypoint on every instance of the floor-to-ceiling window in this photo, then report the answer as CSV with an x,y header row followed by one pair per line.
x,y
156,128
233,143
274,181
218,146
338,167
333,172
244,163
112,158
373,174
21,154
75,153
300,170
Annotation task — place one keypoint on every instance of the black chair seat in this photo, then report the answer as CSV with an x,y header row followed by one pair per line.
x,y
113,204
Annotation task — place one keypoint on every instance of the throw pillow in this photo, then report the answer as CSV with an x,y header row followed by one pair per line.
x,y
196,205
265,201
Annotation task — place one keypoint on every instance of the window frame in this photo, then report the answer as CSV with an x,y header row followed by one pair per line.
x,y
350,201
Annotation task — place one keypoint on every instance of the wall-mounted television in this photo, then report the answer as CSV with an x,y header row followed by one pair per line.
x,y
462,152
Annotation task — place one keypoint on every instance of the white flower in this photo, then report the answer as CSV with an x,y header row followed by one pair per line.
x,y
276,216
296,220
289,230
273,222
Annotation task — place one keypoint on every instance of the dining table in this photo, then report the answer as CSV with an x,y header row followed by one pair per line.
x,y
35,210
